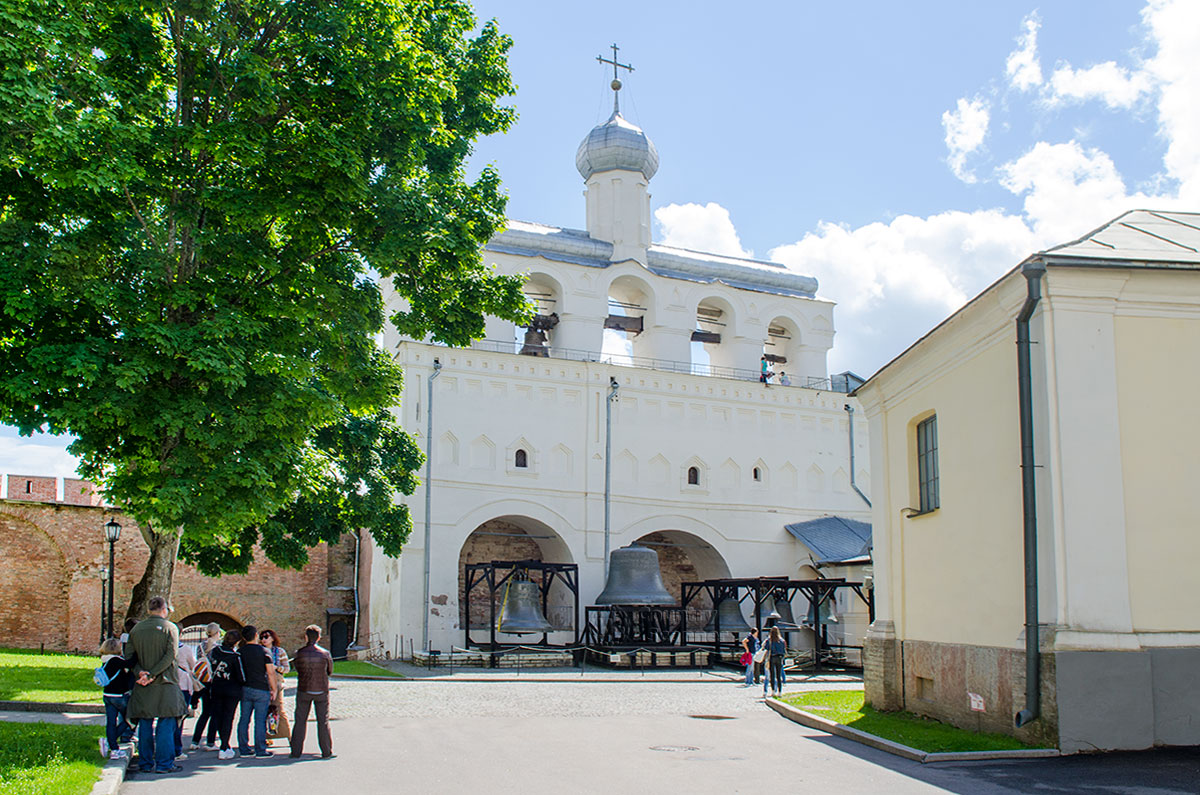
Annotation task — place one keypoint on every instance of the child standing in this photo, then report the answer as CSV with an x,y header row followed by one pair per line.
x,y
116,699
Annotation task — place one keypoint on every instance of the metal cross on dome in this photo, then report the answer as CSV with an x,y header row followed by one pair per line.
x,y
616,81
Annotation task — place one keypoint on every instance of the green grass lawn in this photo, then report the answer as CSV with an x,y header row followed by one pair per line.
x,y
47,757
30,676
360,668
846,707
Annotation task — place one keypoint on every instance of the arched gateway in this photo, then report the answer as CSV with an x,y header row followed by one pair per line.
x,y
512,538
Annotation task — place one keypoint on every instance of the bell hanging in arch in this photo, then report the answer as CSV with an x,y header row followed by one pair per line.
x,y
521,613
732,620
634,578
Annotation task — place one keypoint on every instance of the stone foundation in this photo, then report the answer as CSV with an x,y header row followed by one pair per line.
x,y
935,679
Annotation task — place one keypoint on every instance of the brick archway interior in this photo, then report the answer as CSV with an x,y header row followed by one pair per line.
x,y
511,538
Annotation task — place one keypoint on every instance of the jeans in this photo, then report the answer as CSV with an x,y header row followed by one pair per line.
x,y
116,728
206,717
777,672
156,745
300,727
750,672
253,701
187,699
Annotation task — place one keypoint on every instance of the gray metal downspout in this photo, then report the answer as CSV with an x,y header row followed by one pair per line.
x,y
613,386
850,410
437,370
1032,270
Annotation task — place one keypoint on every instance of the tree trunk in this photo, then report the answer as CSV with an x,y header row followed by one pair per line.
x,y
160,570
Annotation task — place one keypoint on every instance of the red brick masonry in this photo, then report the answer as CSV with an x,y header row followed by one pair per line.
x,y
51,554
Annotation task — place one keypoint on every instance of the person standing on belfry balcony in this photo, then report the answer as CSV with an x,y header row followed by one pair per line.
x,y
313,666
156,695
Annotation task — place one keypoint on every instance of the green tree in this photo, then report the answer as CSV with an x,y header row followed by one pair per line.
x,y
198,202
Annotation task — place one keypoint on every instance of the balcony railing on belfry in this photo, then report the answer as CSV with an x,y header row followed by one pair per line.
x,y
843,382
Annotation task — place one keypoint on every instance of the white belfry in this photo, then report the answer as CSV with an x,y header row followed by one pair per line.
x,y
708,463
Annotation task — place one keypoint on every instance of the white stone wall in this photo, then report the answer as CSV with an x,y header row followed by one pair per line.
x,y
487,404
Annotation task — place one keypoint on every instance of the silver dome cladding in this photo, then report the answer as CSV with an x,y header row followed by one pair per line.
x,y
617,144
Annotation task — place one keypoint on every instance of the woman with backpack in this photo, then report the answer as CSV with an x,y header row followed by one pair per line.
x,y
114,677
212,638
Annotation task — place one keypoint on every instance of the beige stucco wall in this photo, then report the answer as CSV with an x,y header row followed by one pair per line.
x,y
1160,445
954,575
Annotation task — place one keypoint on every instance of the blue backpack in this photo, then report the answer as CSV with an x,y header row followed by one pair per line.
x,y
101,677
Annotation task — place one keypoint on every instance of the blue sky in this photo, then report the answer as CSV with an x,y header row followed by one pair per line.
x,y
905,154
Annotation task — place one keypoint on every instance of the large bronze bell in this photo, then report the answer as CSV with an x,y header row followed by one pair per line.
x,y
634,579
521,613
732,620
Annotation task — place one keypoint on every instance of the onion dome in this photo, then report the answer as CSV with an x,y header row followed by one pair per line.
x,y
617,144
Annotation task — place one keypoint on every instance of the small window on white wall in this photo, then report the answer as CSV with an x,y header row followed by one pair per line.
x,y
693,476
521,459
758,475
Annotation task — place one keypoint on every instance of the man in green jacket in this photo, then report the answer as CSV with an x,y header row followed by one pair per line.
x,y
154,643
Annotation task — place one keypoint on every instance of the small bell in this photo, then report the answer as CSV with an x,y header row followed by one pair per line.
x,y
521,613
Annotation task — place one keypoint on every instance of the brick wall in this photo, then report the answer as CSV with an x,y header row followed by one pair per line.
x,y
33,488
50,560
79,492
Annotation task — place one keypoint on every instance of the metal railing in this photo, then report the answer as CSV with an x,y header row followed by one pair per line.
x,y
648,363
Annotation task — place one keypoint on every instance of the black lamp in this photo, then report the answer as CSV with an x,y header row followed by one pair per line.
x,y
112,531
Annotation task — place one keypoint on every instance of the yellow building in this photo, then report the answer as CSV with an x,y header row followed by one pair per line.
x,y
1110,507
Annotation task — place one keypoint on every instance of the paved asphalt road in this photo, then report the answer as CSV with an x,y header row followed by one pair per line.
x,y
622,737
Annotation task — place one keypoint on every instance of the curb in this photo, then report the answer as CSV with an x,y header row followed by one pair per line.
x,y
878,743
535,678
113,775
50,706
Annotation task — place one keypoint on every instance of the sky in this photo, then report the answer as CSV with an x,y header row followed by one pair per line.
x,y
905,154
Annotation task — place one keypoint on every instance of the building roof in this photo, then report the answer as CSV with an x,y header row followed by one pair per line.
x,y
1145,238
833,539
576,247
617,144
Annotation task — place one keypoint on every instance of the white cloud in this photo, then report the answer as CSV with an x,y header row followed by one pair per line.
x,y
966,126
1068,190
1175,67
23,456
895,281
1022,67
1115,85
704,227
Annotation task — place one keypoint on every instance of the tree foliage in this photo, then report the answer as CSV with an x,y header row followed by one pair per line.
x,y
197,201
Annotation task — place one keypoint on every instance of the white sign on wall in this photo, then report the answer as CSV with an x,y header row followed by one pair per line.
x,y
976,702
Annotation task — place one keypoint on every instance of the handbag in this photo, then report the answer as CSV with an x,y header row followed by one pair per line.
x,y
761,654
278,727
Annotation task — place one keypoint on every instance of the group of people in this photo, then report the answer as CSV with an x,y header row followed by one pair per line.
x,y
765,659
154,681
767,374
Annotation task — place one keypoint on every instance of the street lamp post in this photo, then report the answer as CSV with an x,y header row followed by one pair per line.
x,y
112,531
103,602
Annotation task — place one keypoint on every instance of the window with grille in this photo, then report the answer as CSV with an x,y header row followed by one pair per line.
x,y
693,476
521,459
927,464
